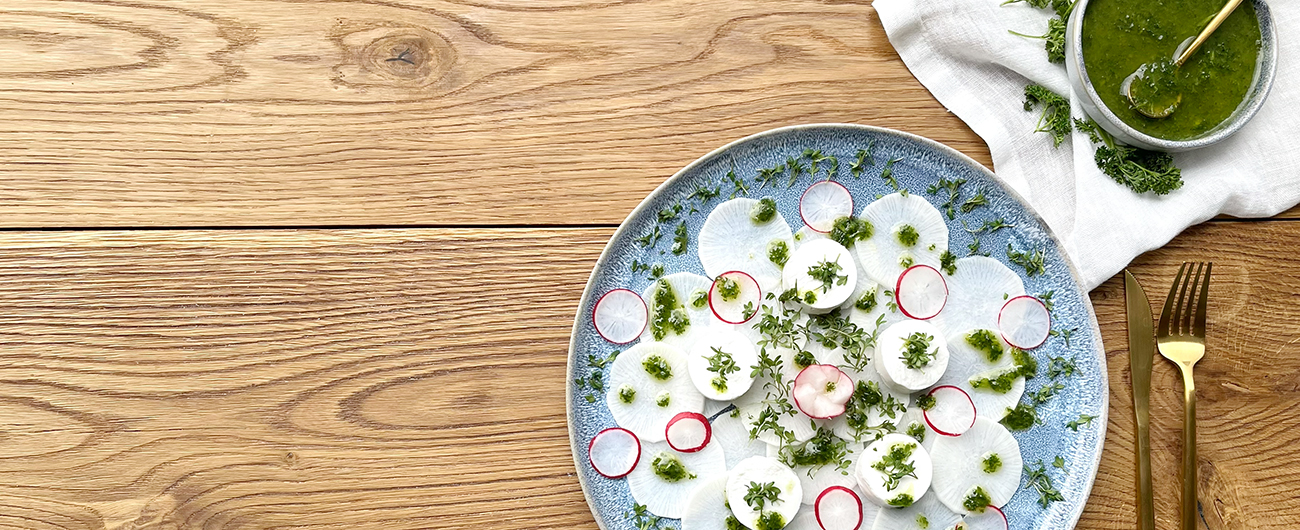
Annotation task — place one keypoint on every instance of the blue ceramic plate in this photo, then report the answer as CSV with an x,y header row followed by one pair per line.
x,y
921,162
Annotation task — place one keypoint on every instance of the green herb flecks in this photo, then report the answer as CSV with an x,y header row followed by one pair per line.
x,y
1138,169
737,184
650,238
903,500
977,500
1000,382
1020,418
727,288
849,230
906,261
867,301
595,381
1064,334
705,194
656,271
823,449
990,226
985,341
770,521
992,463
1046,393
916,350
953,189
1026,364
1055,117
723,364
828,272
626,394
896,464
663,399
917,431
759,495
948,262
979,199
973,249
778,252
888,174
764,212
670,468
681,239
922,522
816,159
1084,419
1061,367
699,299
926,402
732,523
657,367
1059,462
667,314
863,159
670,213
642,519
907,235
1032,261
1037,478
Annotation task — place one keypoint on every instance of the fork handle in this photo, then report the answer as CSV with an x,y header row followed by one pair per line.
x,y
1190,505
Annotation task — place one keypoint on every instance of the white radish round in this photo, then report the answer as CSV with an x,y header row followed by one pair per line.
x,y
730,240
908,231
722,347
688,432
620,316
821,390
614,452
964,463
981,353
665,479
823,275
953,412
976,293
921,292
911,355
882,460
927,513
706,509
1025,322
648,385
675,296
755,472
839,508
993,518
823,203
912,423
735,297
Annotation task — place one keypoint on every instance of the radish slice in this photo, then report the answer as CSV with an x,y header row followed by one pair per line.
x,y
614,452
759,470
1025,322
721,365
908,487
892,355
992,519
964,463
674,296
886,254
976,294
666,495
620,316
968,362
823,203
953,412
821,390
688,432
706,509
925,514
731,241
921,292
822,273
648,385
839,508
735,297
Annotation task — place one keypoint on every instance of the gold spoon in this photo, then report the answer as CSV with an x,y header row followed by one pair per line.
x,y
1152,89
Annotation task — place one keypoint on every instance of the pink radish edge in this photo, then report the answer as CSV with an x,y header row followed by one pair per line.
x,y
839,380
596,323
899,283
926,414
1006,524
592,462
713,286
1004,335
817,511
804,218
683,416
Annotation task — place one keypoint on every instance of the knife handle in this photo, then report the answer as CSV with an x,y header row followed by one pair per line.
x,y
1146,503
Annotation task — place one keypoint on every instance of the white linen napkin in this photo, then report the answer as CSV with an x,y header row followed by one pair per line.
x,y
961,51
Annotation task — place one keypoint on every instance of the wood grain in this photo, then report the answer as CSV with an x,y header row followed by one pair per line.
x,y
415,379
368,112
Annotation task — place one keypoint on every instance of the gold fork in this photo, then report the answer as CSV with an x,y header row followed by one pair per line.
x,y
1181,338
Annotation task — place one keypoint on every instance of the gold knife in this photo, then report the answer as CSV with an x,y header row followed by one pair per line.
x,y
1141,352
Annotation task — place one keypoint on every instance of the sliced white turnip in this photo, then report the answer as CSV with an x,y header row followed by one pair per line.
x,y
735,297
688,432
976,294
620,316
912,423
665,479
821,460
921,292
648,385
953,412
985,457
881,471
674,317
1025,322
732,436
909,231
993,518
839,508
927,513
751,475
823,203
730,240
804,235
821,390
614,452
721,364
823,275
911,355
706,509
980,353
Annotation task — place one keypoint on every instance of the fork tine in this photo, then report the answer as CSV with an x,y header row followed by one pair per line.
x,y
1185,321
1198,327
1167,312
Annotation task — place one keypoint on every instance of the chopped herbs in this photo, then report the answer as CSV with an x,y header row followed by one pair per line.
x,y
908,236
952,187
626,394
657,367
1046,393
1037,478
827,272
1139,169
1084,419
863,158
973,249
804,359
669,468
734,524
680,239
723,364
737,183
699,299
975,202
1059,463
868,301
770,521
888,173
977,500
1055,117
1002,382
922,522
1020,418
926,402
642,519
823,449
758,496
663,399
989,226
903,500
1060,366
906,261
669,213
667,314
650,238
704,194
896,464
1025,363
656,272
849,230
728,288
993,463
778,252
985,341
638,267
916,350
1032,261
1064,334
916,430
948,262
764,212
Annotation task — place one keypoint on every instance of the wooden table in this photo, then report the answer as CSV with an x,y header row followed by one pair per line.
x,y
313,264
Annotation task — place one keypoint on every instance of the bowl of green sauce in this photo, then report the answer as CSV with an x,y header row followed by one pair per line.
x,y
1223,84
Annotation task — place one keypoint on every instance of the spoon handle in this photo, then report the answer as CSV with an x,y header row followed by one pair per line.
x,y
1209,28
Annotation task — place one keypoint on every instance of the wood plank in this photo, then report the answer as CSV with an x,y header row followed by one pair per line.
x,y
351,379
277,112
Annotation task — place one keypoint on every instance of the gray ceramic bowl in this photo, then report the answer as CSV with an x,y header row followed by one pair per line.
x,y
1093,105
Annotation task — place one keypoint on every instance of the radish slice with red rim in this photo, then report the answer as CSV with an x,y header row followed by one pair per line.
x,y
1025,322
953,412
688,432
620,316
838,508
822,390
823,203
735,297
614,452
992,519
921,292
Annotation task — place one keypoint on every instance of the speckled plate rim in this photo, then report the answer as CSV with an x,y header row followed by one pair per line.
x,y
1100,351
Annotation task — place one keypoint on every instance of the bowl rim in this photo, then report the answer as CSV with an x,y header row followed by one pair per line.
x,y
1265,71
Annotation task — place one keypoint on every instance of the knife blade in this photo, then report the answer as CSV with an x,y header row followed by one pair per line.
x,y
1142,351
